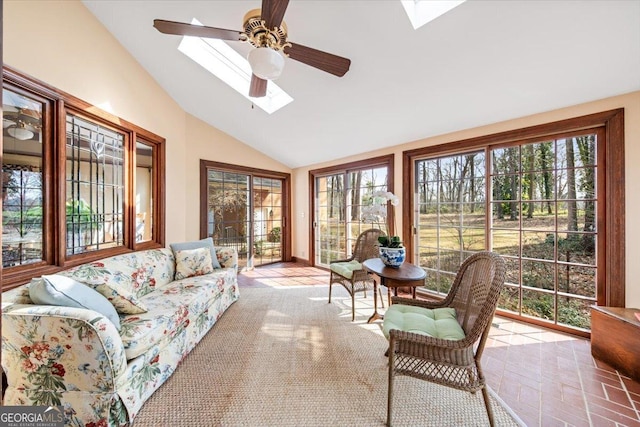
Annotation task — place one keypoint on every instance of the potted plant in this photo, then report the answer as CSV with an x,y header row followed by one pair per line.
x,y
390,241
392,252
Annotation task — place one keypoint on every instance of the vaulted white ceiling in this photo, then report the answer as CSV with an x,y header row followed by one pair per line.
x,y
482,62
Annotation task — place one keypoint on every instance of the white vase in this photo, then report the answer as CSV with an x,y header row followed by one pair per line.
x,y
392,257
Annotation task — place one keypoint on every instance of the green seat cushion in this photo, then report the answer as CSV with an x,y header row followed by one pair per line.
x,y
438,323
345,269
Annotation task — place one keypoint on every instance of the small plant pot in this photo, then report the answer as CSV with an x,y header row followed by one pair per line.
x,y
392,257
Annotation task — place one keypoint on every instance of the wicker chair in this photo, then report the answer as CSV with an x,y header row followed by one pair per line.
x,y
350,273
453,362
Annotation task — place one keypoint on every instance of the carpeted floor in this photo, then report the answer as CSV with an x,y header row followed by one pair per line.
x,y
284,357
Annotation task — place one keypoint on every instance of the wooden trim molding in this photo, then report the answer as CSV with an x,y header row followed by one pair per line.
x,y
311,184
615,215
358,164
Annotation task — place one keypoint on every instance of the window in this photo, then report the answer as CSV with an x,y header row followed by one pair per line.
x,y
145,190
537,197
421,12
74,193
94,203
339,193
22,180
451,217
545,200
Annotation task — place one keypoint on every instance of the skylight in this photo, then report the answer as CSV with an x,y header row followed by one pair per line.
x,y
229,66
422,11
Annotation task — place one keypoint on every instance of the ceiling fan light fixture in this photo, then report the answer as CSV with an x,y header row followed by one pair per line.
x,y
222,61
20,132
266,63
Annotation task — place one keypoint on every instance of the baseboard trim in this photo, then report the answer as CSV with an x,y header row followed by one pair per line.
x,y
302,261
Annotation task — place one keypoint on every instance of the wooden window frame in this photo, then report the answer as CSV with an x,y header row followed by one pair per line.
x,y
60,103
612,291
158,191
386,161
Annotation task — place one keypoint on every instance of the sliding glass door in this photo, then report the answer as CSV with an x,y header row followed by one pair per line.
x,y
267,220
245,210
330,225
450,221
339,196
228,211
537,203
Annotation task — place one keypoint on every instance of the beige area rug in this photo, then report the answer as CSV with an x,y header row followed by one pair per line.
x,y
282,356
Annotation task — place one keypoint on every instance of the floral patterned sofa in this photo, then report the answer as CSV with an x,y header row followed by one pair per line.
x,y
77,357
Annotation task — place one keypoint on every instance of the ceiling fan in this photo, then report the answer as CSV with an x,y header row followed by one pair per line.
x,y
266,31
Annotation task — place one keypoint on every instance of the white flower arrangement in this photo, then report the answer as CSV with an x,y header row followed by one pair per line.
x,y
376,213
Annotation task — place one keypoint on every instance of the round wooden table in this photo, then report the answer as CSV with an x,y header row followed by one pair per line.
x,y
406,275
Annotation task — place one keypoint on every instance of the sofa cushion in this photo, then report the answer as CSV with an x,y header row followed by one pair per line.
x,y
345,269
139,272
170,310
111,283
19,295
204,243
437,323
67,292
193,262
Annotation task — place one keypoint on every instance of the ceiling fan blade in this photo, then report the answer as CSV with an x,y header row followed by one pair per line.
x,y
324,61
273,11
258,87
182,29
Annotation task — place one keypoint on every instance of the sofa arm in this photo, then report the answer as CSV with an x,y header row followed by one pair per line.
x,y
50,350
227,256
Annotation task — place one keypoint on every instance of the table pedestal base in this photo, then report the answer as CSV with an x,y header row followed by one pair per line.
x,y
375,316
407,275
391,284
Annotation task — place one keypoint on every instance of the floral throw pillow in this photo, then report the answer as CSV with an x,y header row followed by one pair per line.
x,y
204,243
193,262
111,283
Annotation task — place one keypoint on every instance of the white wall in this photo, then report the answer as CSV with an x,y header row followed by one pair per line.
x,y
209,143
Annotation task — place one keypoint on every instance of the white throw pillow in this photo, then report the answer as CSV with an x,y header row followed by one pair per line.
x,y
67,292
